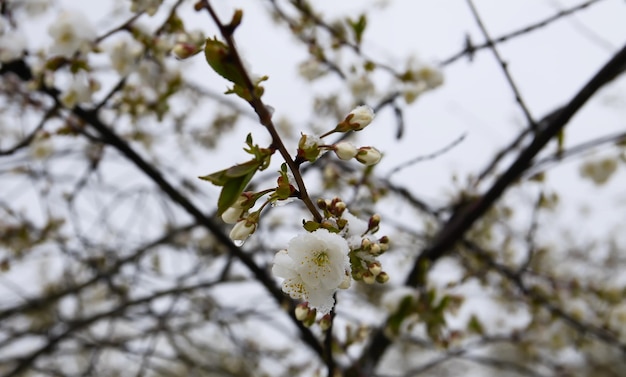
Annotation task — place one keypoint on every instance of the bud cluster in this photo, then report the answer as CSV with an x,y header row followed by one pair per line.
x,y
366,267
368,156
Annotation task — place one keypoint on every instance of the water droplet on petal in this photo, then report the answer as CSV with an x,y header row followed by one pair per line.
x,y
239,243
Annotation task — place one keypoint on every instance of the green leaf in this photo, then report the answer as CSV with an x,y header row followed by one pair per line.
x,y
311,226
358,27
232,190
475,326
219,178
242,169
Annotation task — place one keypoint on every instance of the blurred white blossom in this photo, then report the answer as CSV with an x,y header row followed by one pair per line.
x,y
72,32
124,55
12,45
148,6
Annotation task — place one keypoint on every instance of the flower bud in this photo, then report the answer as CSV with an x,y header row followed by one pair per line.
x,y
325,322
242,230
184,50
234,212
374,222
302,311
368,156
375,250
339,208
308,147
366,244
375,268
321,203
360,117
382,278
310,318
369,278
345,284
345,150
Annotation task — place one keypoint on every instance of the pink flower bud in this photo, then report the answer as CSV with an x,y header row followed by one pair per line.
x,y
184,50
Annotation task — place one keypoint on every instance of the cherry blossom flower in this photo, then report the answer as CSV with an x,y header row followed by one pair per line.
x,y
12,46
148,6
314,266
71,32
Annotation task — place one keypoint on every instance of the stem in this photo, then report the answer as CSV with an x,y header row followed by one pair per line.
x,y
265,118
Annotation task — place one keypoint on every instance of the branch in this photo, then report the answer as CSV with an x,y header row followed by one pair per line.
x,y
23,71
470,49
503,65
265,117
461,221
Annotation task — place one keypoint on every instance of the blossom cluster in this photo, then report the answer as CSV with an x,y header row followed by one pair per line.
x,y
338,246
316,265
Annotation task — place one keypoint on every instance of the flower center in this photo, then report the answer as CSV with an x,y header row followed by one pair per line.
x,y
321,259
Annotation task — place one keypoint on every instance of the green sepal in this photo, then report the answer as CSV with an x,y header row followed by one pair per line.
x,y
311,226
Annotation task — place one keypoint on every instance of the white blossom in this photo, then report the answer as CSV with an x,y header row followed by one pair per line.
x,y
354,229
148,6
79,91
311,69
362,87
314,266
71,32
12,45
124,55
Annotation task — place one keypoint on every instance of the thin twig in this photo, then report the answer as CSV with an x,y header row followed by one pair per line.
x,y
265,117
504,65
470,49
427,157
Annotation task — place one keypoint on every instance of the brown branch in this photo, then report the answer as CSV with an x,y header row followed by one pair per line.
x,y
265,117
461,221
91,117
470,49
518,96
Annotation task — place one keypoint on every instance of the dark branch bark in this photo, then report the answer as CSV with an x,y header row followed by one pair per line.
x,y
462,220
